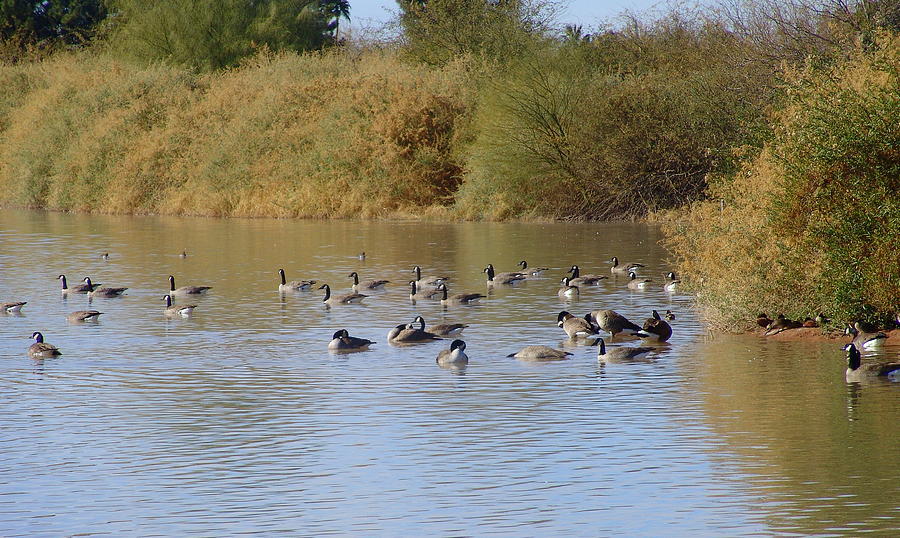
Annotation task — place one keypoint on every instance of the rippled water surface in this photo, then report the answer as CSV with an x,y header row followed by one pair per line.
x,y
238,420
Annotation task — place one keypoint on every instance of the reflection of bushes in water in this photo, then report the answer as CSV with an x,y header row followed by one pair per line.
x,y
283,135
614,127
812,223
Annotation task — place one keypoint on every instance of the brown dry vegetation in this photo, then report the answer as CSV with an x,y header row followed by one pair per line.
x,y
284,135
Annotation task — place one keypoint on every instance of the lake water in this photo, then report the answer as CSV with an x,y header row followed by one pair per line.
x,y
238,420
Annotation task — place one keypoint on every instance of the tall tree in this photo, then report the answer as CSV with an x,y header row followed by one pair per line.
x,y
336,9
69,21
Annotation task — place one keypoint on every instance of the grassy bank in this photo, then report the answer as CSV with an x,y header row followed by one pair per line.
x,y
811,222
283,135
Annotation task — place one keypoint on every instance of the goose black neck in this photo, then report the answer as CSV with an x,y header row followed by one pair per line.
x,y
171,283
327,293
854,360
283,280
63,279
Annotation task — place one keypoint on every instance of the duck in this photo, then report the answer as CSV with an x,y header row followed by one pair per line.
x,y
540,353
856,371
621,354
41,349
342,341
405,333
79,288
568,291
459,298
534,272
865,336
13,307
809,322
624,268
367,285
656,329
669,315
104,256
613,322
186,290
782,324
455,356
80,316
183,310
502,278
347,298
575,327
183,254
673,282
635,283
102,291
821,319
361,256
414,292
443,329
763,320
432,281
293,285
578,279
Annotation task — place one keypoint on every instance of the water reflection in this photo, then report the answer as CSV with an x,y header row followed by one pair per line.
x,y
238,419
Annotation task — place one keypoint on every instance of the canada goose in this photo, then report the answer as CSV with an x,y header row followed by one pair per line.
x,y
183,254
573,326
856,371
635,283
342,341
459,298
347,298
432,281
104,291
655,329
455,356
293,285
104,256
414,292
502,278
83,315
540,353
532,272
613,322
40,348
407,334
763,320
12,308
183,310
625,268
367,285
866,339
673,282
782,324
670,316
361,256
186,290
444,329
567,291
583,280
79,288
621,354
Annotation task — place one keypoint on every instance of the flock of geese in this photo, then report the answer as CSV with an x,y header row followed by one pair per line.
x,y
654,331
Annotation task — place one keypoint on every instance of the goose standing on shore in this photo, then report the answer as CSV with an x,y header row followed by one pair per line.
x,y
293,285
186,290
41,349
